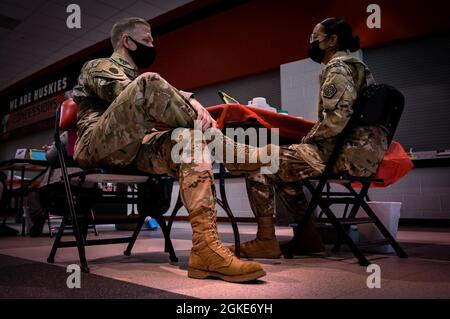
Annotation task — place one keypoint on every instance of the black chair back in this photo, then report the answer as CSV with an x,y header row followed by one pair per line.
x,y
378,105
381,105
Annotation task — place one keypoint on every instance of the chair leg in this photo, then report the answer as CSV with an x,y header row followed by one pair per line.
x,y
50,231
72,210
175,210
315,195
80,232
393,242
93,225
362,260
23,225
84,226
80,240
136,232
289,254
355,208
62,226
352,214
168,242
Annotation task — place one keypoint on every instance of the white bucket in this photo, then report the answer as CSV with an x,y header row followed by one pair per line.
x,y
389,215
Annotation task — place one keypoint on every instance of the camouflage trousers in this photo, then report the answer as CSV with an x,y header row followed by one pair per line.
x,y
117,135
122,136
361,156
292,169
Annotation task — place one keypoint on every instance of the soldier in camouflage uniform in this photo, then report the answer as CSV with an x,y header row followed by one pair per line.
x,y
342,78
117,112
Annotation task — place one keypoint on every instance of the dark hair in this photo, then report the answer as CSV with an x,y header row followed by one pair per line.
x,y
343,30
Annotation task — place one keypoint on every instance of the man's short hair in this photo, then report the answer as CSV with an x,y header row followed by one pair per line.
x,y
124,25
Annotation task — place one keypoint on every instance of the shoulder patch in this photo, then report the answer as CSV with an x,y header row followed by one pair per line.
x,y
338,66
107,69
329,91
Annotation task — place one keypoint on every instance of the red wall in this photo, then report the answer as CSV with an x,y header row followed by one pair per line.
x,y
260,35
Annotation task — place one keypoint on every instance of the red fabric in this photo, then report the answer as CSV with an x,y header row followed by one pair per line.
x,y
68,123
68,116
289,126
16,182
394,166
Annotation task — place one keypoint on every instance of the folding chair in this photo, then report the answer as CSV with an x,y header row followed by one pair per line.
x,y
380,105
5,199
78,201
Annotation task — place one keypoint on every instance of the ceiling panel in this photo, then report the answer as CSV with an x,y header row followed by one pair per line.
x,y
120,4
94,35
39,20
43,38
142,8
105,27
14,11
25,4
95,8
52,9
166,5
119,15
45,34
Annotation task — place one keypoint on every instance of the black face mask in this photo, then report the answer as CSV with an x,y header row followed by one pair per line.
x,y
315,52
143,56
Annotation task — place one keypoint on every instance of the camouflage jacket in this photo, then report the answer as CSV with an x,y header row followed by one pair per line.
x,y
341,80
99,83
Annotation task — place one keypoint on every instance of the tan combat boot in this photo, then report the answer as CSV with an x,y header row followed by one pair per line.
x,y
265,245
209,258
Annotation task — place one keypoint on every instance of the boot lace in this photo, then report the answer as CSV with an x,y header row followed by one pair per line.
x,y
215,236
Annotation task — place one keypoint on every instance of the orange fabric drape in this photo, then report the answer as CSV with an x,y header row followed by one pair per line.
x,y
395,165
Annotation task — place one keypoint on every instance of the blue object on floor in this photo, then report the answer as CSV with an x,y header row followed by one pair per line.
x,y
153,224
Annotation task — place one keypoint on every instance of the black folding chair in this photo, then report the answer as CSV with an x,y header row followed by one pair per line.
x,y
380,105
78,200
5,211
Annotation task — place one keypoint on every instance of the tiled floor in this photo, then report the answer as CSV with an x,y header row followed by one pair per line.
x,y
425,274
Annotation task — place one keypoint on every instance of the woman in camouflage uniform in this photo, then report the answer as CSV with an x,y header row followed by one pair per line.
x,y
344,75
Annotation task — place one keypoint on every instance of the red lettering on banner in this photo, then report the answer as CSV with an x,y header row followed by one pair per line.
x,y
34,113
